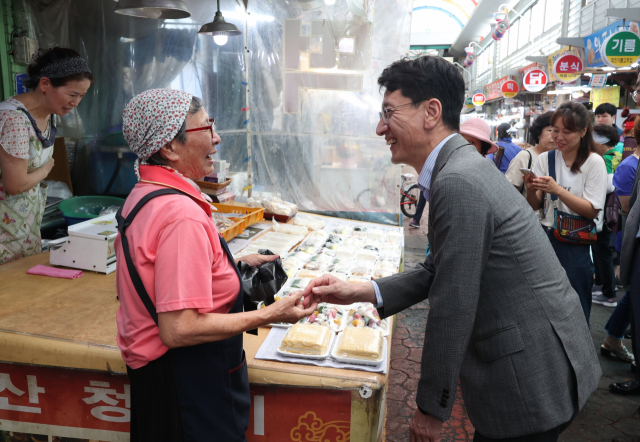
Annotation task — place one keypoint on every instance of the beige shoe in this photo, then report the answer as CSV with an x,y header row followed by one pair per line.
x,y
622,354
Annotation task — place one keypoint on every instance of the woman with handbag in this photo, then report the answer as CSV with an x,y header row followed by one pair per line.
x,y
570,184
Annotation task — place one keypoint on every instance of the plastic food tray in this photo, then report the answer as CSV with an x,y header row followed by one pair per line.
x,y
280,218
231,232
334,355
305,356
250,215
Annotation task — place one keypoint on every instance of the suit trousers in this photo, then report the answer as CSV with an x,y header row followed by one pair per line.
x,y
634,301
548,436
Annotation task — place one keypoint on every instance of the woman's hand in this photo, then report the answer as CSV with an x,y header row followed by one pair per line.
x,y
47,167
256,259
528,180
291,309
547,185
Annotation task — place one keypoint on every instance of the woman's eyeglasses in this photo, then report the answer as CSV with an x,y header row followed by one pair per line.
x,y
211,127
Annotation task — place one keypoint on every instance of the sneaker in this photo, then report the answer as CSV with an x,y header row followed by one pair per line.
x,y
596,290
414,224
604,301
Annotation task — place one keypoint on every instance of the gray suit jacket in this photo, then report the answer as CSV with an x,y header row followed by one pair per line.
x,y
504,318
629,235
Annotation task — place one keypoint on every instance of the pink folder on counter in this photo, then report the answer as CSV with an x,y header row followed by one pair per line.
x,y
54,272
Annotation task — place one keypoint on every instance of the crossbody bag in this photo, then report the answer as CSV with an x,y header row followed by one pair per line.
x,y
570,229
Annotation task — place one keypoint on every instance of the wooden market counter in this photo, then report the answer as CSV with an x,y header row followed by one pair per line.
x,y
58,342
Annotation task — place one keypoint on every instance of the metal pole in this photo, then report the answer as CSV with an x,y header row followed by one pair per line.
x,y
248,116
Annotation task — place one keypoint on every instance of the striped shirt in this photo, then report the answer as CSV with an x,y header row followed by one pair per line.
x,y
424,180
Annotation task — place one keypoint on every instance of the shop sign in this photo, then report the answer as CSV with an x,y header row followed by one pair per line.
x,y
21,83
593,43
598,80
509,89
468,102
551,59
621,49
605,95
494,90
568,68
478,99
533,66
535,80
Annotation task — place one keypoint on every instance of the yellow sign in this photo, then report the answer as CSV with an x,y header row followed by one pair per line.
x,y
605,95
566,50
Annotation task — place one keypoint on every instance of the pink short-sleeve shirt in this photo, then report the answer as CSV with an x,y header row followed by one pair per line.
x,y
176,249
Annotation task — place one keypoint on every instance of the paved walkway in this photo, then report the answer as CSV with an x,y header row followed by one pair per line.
x,y
604,416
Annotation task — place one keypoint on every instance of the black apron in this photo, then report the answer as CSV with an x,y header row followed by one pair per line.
x,y
211,379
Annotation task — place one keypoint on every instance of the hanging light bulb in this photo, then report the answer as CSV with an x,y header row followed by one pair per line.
x,y
221,37
220,29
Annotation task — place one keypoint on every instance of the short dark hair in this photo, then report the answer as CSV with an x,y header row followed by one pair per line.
x,y
541,121
606,108
608,131
575,117
47,57
425,78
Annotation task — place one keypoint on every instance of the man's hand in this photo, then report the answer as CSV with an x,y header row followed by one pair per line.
x,y
330,289
290,309
257,259
424,428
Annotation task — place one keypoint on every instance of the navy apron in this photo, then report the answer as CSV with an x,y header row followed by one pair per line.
x,y
212,378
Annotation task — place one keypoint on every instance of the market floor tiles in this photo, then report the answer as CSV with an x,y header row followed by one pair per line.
x,y
605,415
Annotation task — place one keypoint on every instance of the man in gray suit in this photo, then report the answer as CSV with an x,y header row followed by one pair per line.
x,y
504,318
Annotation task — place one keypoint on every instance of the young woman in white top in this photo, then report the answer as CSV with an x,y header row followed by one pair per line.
x,y
580,185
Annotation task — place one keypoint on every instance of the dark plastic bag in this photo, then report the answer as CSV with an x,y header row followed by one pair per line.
x,y
261,283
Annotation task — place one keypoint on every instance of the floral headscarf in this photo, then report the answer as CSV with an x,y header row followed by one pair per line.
x,y
152,119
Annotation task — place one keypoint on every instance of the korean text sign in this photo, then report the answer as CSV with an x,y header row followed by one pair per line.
x,y
593,43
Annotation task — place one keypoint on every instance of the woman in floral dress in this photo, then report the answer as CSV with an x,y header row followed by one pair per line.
x,y
58,79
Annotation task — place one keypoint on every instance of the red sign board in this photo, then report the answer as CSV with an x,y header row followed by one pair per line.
x,y
509,89
88,400
494,90
478,99
568,68
535,80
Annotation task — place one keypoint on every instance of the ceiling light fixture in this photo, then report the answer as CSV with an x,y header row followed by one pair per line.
x,y
220,29
155,9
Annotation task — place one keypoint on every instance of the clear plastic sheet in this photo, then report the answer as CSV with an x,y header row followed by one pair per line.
x,y
312,115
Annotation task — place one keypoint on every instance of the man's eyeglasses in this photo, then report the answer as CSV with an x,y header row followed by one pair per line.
x,y
635,96
386,112
211,127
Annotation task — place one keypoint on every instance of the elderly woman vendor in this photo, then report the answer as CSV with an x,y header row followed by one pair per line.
x,y
180,320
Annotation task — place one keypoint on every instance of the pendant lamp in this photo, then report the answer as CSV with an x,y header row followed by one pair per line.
x,y
158,9
220,29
